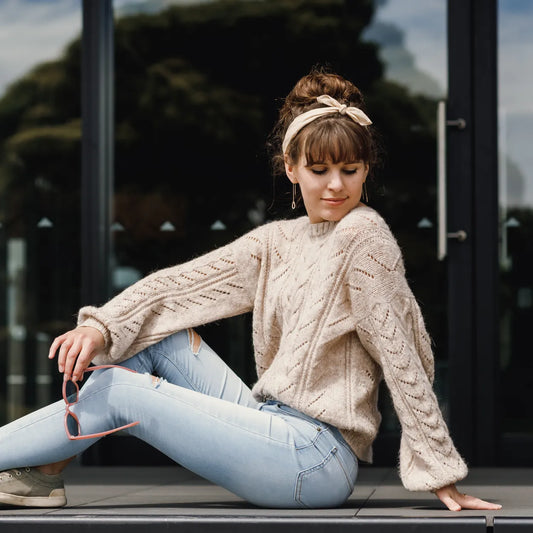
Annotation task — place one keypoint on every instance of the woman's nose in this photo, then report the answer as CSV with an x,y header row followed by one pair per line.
x,y
335,181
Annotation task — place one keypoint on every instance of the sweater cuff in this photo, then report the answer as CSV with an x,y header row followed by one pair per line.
x,y
418,474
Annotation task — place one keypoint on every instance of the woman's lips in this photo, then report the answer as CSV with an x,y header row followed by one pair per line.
x,y
334,201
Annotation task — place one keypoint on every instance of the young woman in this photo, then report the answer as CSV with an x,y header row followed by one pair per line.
x,y
332,316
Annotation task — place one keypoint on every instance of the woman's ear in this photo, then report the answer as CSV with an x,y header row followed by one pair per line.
x,y
367,170
289,170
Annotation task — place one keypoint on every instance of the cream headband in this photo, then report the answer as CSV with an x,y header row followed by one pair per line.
x,y
333,106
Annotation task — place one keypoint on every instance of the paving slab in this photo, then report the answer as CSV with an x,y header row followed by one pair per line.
x,y
510,487
172,498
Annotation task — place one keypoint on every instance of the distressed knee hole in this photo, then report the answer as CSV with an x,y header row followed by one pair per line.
x,y
156,381
195,341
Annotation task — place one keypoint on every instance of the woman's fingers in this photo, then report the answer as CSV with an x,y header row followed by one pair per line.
x,y
64,348
75,350
455,500
471,502
54,347
85,356
70,357
450,503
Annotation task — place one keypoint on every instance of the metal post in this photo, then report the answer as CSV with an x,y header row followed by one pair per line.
x,y
459,215
485,150
97,149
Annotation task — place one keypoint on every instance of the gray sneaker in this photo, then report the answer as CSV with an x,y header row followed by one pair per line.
x,y
28,487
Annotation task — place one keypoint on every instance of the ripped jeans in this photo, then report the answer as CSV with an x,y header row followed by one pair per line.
x,y
204,417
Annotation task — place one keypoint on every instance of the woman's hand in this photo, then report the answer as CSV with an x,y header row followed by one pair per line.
x,y
77,348
455,500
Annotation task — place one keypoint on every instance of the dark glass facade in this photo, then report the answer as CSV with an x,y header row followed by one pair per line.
x,y
171,159
40,154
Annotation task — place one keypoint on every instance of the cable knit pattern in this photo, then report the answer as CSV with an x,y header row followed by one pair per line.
x,y
332,315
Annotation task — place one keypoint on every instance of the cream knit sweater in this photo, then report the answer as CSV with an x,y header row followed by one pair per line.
x,y
332,315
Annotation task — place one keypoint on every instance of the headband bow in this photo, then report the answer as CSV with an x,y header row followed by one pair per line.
x,y
332,106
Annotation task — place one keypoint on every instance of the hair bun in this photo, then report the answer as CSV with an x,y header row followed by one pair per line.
x,y
317,83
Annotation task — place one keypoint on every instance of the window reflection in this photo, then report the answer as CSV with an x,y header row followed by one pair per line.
x,y
39,194
197,91
515,49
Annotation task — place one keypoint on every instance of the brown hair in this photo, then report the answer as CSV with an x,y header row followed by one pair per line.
x,y
336,137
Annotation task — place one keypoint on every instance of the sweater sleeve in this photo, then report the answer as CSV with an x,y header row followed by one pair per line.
x,y
391,328
217,285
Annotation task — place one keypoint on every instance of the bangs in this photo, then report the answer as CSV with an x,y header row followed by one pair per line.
x,y
338,141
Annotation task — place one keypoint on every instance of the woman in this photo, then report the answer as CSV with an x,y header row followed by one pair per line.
x,y
332,315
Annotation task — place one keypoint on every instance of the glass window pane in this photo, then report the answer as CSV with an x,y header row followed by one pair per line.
x,y
39,194
412,44
515,53
197,90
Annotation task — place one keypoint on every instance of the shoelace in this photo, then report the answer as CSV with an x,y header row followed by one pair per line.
x,y
9,475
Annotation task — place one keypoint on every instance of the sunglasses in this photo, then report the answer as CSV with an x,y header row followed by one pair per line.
x,y
72,390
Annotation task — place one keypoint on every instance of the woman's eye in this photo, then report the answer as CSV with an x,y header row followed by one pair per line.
x,y
350,170
318,171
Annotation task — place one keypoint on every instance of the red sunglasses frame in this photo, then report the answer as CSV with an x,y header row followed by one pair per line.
x,y
68,412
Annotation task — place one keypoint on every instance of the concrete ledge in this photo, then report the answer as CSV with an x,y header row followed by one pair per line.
x,y
185,524
513,524
170,498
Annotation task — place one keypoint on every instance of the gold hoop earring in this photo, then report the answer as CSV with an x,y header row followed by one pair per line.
x,y
293,205
365,193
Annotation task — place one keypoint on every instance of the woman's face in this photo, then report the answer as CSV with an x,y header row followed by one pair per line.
x,y
329,190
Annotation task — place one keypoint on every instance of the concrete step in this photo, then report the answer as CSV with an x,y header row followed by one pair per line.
x,y
170,498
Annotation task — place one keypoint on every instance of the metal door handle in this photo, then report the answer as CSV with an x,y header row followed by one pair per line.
x,y
441,181
460,235
459,123
442,232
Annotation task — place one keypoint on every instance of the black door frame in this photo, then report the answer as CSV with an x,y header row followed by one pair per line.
x,y
97,107
486,221
97,161
473,206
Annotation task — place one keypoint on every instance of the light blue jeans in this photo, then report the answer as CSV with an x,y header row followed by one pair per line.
x,y
205,418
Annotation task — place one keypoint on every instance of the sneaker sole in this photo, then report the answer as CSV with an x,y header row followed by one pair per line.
x,y
55,499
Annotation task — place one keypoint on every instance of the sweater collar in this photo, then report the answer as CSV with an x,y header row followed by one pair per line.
x,y
321,228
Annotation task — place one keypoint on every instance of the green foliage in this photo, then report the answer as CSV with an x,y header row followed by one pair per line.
x,y
197,89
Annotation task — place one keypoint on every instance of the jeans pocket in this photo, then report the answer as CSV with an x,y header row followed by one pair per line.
x,y
289,412
325,484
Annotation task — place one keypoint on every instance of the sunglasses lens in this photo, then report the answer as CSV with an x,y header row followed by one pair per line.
x,y
71,392
72,426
